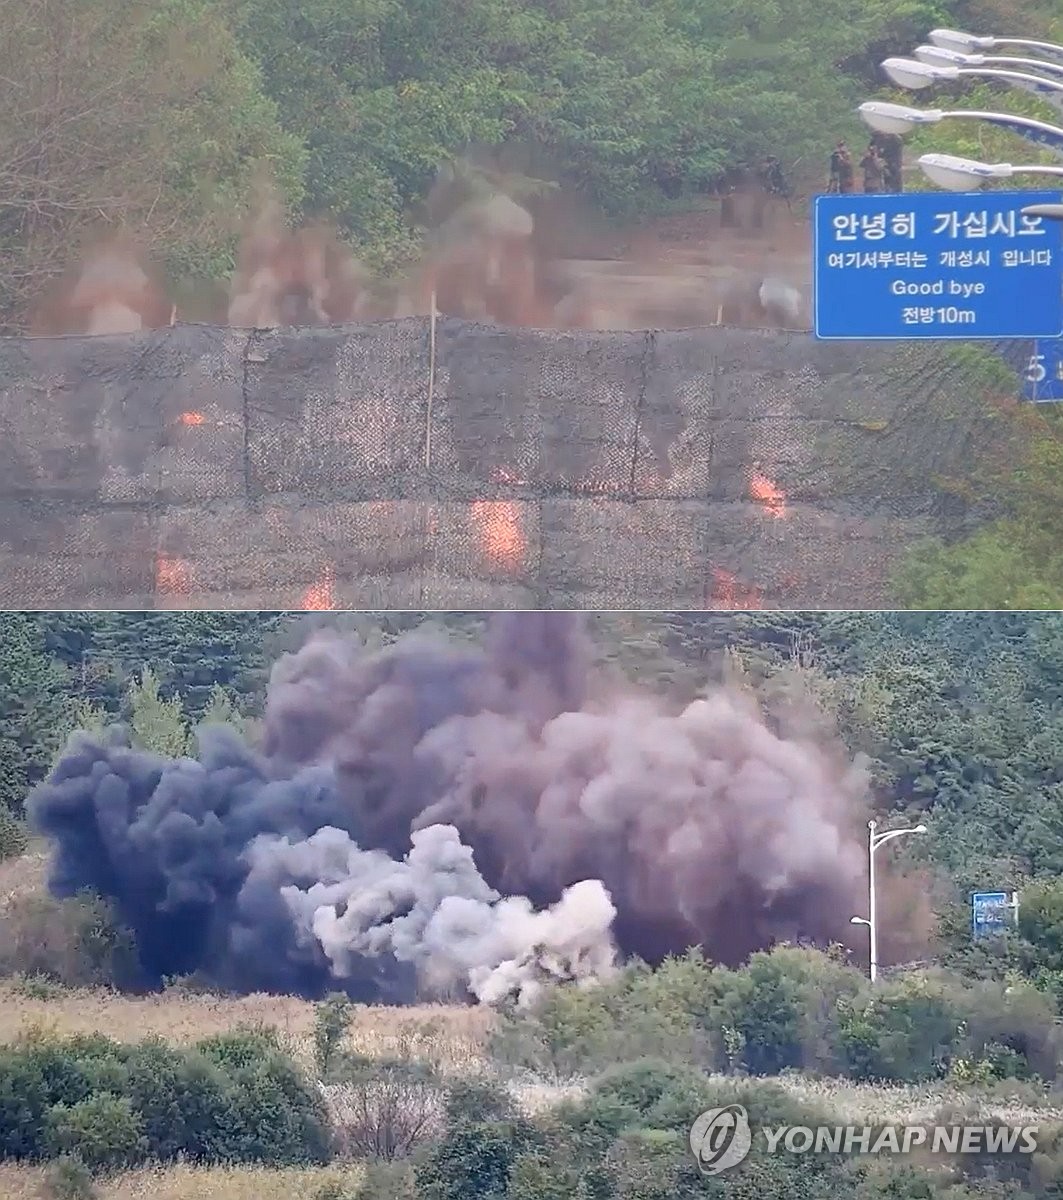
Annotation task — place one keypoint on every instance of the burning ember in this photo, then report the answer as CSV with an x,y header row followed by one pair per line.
x,y
172,576
193,418
319,597
767,493
729,593
500,532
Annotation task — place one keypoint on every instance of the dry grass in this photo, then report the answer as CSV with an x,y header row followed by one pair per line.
x,y
911,1104
453,1035
23,875
190,1183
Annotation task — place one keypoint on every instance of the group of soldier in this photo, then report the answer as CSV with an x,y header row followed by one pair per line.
x,y
881,166
881,169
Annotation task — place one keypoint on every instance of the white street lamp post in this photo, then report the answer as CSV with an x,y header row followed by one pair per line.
x,y
966,174
899,118
910,73
939,56
874,841
968,43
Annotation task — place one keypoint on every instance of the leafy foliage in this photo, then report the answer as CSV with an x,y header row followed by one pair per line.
x,y
237,1099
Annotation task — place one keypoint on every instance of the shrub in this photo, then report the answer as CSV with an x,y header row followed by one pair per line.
x,y
36,987
568,1034
183,1102
76,942
69,1179
278,1118
24,1102
332,1017
543,1174
651,1164
636,1088
1010,1028
383,1111
473,1160
910,1029
474,1101
782,1010
14,838
244,1046
386,1181
104,1132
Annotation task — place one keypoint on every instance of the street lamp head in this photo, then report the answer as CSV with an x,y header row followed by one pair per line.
x,y
896,118
859,921
941,56
919,829
910,73
953,39
961,174
1051,212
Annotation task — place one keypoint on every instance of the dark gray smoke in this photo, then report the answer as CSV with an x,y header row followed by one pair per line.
x,y
434,817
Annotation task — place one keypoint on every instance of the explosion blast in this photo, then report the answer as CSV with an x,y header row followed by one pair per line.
x,y
436,818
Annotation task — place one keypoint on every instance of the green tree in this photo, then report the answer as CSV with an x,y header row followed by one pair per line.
x,y
104,1132
134,115
220,710
158,725
33,708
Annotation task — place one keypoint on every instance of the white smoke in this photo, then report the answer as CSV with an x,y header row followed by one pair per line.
x,y
433,910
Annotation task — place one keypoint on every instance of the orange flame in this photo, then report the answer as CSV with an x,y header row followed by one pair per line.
x,y
192,418
728,593
318,597
768,493
172,576
499,527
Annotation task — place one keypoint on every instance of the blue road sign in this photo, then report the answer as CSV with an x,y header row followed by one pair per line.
x,y
937,265
990,913
1044,375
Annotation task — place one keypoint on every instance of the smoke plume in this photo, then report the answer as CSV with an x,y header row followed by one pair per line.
x,y
111,290
514,260
442,818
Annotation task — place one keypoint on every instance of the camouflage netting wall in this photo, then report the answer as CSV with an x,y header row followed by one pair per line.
x,y
381,466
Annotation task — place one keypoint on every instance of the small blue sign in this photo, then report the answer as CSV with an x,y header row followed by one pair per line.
x,y
990,913
937,265
1043,382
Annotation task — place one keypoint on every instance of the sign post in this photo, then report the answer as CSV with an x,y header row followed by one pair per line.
x,y
934,265
992,912
1043,383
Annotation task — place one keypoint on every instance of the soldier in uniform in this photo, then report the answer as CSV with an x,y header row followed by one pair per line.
x,y
774,181
841,170
890,149
873,168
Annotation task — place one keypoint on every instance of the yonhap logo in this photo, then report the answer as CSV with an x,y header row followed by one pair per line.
x,y
720,1139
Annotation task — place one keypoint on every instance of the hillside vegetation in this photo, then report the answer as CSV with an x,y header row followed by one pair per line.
x,y
351,106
